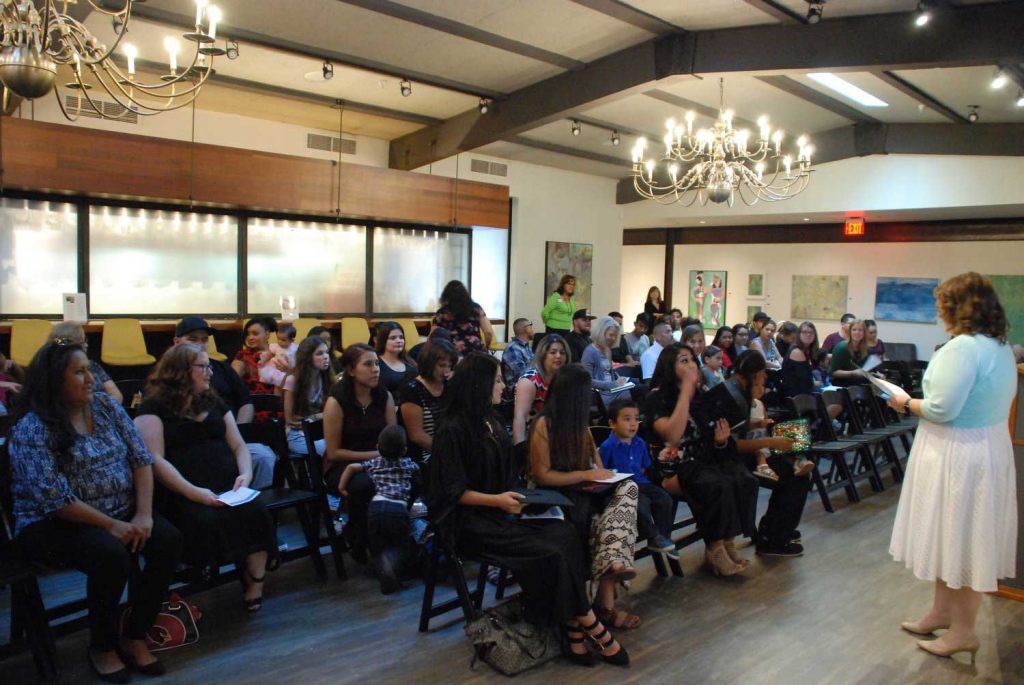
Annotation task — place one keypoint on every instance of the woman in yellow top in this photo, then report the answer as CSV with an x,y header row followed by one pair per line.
x,y
557,312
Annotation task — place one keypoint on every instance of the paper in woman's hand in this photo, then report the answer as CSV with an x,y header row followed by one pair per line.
x,y
234,498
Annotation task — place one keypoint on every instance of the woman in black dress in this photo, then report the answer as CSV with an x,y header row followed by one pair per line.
x,y
472,504
654,308
396,368
198,454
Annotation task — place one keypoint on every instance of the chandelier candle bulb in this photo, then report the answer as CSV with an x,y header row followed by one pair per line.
x,y
777,139
130,52
172,53
689,122
214,15
787,161
200,11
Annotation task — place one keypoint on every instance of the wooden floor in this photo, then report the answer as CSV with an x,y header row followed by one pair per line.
x,y
831,616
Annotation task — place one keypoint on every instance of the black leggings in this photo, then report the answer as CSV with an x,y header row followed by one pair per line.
x,y
107,563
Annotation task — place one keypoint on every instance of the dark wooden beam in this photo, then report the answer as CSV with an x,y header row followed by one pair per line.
x,y
455,28
817,98
570,151
631,15
778,11
908,88
972,35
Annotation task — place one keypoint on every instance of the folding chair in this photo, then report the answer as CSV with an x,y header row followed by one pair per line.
x,y
864,461
313,430
862,402
824,444
470,603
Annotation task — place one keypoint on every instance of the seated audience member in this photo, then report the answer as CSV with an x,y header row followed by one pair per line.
x,y
764,344
822,361
621,355
701,462
563,455
232,391
655,308
518,353
833,339
626,452
197,455
579,337
849,356
785,338
464,319
75,335
559,308
693,337
798,364
324,334
388,523
724,341
282,356
305,390
711,369
740,341
420,400
435,334
597,358
662,335
472,503
1018,354
532,388
12,377
82,486
875,346
355,413
636,340
676,319
759,320
255,353
758,426
396,369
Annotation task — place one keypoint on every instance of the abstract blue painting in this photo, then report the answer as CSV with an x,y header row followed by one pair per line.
x,y
905,299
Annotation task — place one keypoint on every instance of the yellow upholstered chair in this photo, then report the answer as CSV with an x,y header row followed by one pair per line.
x,y
213,353
354,330
302,327
412,334
123,344
27,336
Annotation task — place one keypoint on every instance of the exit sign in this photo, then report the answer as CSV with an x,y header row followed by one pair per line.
x,y
854,227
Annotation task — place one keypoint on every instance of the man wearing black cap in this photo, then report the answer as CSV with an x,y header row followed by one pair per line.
x,y
579,337
230,388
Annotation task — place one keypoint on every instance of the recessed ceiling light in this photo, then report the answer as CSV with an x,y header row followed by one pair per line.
x,y
702,221
847,89
807,218
1000,79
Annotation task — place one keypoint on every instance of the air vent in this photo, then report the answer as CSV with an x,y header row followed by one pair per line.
x,y
107,110
315,141
482,166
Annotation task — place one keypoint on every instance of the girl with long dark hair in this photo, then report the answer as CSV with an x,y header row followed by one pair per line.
x,y
724,341
532,387
396,368
306,389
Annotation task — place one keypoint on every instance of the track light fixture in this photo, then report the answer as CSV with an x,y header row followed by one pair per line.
x,y
1020,98
814,11
484,105
615,137
232,49
924,14
406,87
972,115
1000,79
328,71
575,127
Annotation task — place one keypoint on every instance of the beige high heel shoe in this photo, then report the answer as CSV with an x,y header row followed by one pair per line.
x,y
734,554
919,628
719,563
932,647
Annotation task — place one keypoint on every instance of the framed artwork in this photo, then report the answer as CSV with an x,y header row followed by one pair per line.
x,y
1010,290
570,258
819,297
755,285
905,299
751,310
706,297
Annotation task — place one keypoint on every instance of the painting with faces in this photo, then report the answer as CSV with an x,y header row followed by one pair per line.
x,y
570,258
706,297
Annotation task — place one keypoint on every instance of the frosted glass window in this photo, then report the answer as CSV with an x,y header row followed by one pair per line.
x,y
38,255
490,270
412,266
322,264
162,262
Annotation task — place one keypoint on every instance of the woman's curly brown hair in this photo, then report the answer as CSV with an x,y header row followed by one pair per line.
x,y
969,304
170,384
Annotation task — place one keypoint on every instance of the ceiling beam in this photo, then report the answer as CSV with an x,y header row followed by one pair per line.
x,y
909,89
631,15
864,139
455,28
142,11
778,11
817,98
972,35
566,150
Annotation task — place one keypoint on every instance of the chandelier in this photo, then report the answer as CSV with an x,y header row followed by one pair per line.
x,y
39,36
719,163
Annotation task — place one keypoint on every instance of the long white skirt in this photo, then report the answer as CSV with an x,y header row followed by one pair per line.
x,y
957,516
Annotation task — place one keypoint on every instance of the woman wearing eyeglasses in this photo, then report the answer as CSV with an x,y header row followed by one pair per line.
x,y
199,454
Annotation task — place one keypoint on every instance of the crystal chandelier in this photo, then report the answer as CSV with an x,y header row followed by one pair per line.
x,y
39,36
719,163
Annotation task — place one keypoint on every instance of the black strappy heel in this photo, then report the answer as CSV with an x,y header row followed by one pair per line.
x,y
256,603
585,659
604,640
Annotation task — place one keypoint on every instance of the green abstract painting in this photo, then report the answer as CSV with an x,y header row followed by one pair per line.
x,y
819,297
1011,294
755,285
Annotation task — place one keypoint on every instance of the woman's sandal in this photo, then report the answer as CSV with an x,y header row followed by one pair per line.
x,y
620,620
256,603
734,554
603,641
576,636
623,573
765,471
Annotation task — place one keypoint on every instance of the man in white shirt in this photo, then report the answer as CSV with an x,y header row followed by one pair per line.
x,y
662,335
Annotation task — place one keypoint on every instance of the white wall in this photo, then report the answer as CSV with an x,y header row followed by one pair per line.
x,y
862,262
642,267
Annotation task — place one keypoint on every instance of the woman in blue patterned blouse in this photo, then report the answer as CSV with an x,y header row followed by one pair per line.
x,y
82,482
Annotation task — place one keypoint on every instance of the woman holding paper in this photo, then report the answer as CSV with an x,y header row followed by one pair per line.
x,y
956,523
597,358
201,460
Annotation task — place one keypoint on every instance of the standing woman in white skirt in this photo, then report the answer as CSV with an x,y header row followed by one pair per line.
x,y
956,522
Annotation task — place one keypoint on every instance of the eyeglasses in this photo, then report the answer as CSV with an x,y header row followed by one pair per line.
x,y
205,367
66,341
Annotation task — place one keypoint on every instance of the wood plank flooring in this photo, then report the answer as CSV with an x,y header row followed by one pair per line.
x,y
831,616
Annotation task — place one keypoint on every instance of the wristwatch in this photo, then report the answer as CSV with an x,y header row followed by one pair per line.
x,y
906,407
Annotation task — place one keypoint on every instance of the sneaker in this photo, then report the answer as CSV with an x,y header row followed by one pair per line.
x,y
790,549
660,543
795,537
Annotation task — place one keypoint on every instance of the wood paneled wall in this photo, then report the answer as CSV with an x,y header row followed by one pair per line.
x,y
58,158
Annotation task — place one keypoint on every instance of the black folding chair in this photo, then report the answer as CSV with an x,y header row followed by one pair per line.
x,y
313,430
864,462
824,444
862,407
470,603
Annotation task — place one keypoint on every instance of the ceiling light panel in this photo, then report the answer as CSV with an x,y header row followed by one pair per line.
x,y
847,89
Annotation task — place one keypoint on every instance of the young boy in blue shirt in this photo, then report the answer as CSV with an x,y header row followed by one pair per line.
x,y
626,452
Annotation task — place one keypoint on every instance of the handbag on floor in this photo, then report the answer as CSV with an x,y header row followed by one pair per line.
x,y
175,624
502,638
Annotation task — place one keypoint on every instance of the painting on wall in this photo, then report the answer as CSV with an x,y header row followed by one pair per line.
x,y
905,299
819,297
1011,295
755,285
570,258
706,297
751,310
